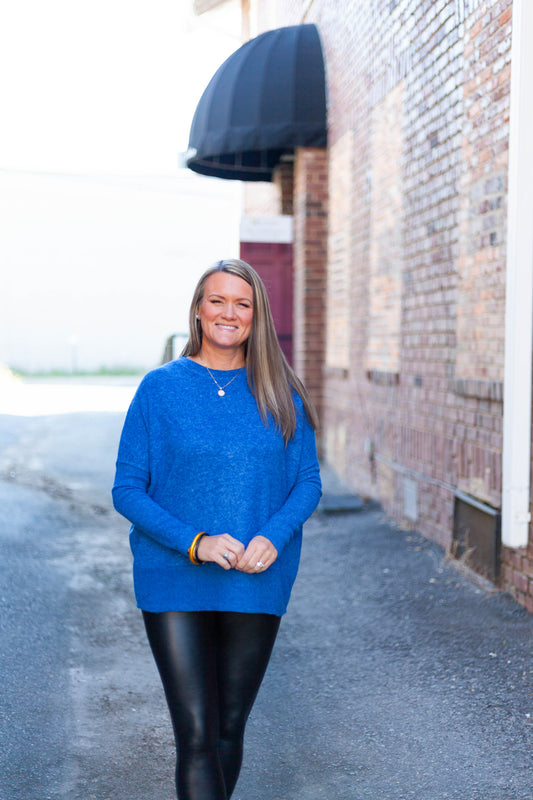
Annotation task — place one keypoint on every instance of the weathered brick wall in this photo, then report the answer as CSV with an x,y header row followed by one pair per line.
x,y
310,262
517,574
483,183
413,365
386,233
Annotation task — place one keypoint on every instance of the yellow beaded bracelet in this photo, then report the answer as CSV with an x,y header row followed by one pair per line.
x,y
193,549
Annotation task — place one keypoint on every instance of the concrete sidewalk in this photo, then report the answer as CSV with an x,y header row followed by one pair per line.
x,y
394,677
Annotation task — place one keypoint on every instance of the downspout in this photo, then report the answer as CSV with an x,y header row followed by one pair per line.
x,y
519,287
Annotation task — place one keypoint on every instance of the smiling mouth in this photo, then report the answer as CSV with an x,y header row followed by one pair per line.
x,y
227,327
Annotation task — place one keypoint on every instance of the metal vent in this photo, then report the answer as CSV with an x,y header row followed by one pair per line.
x,y
477,536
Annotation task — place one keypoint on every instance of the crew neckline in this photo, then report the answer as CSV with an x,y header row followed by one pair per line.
x,y
213,369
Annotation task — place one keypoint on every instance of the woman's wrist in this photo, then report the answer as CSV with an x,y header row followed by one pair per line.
x,y
193,549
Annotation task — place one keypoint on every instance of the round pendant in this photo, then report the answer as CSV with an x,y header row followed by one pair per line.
x,y
221,392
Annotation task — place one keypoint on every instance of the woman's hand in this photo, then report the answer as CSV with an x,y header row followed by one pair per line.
x,y
222,549
258,556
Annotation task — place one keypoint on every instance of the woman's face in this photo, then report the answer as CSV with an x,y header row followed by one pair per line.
x,y
226,311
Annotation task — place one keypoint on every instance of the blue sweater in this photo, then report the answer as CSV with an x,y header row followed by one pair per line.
x,y
192,461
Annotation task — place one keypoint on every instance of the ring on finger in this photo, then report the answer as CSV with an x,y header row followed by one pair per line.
x,y
260,565
226,556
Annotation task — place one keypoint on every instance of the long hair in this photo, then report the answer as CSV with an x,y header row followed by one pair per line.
x,y
270,377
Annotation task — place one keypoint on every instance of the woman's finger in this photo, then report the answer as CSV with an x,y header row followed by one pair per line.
x,y
258,556
223,550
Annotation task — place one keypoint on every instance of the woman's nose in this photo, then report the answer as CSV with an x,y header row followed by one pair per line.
x,y
229,310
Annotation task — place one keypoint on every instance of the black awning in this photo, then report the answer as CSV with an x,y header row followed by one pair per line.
x,y
266,99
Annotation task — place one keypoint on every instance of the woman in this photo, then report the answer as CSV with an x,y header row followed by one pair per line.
x,y
217,472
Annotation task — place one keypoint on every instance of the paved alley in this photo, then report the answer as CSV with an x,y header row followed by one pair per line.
x,y
394,675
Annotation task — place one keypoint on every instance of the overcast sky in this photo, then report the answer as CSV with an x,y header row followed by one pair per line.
x,y
104,85
96,102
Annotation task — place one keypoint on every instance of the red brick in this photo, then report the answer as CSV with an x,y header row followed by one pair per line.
x,y
442,417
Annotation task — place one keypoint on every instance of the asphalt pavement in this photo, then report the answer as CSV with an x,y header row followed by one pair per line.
x,y
395,675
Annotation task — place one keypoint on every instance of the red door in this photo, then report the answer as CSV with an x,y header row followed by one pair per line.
x,y
273,262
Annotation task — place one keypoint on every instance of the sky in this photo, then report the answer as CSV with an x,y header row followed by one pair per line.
x,y
105,85
102,235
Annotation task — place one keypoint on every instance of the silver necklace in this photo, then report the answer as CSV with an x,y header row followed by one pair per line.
x,y
221,391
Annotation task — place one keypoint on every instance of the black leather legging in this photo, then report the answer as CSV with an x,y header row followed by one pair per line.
x,y
211,664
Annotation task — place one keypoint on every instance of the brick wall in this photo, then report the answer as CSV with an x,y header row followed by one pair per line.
x,y
483,183
310,262
413,356
386,233
517,574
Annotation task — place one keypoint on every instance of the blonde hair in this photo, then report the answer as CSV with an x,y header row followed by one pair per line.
x,y
270,377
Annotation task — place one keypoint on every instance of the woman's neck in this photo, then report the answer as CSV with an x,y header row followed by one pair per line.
x,y
216,358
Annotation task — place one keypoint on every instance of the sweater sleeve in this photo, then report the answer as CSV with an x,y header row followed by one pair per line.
x,y
304,495
132,481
